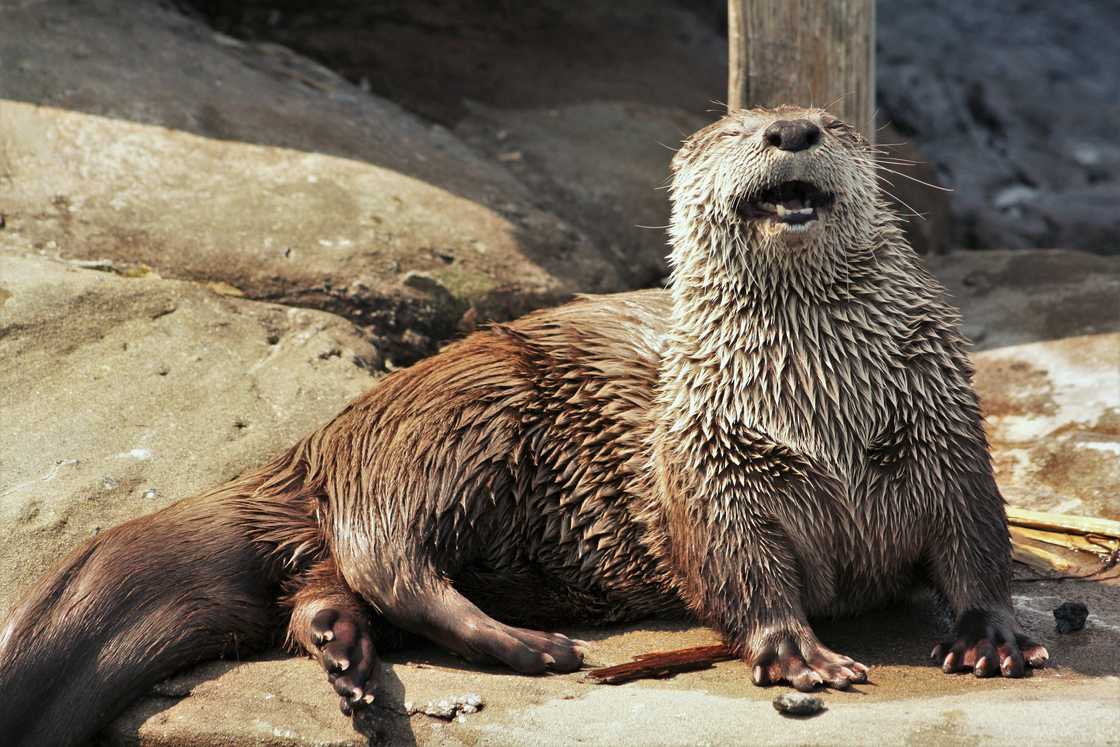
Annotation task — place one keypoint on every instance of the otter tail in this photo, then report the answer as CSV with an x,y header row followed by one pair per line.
x,y
136,603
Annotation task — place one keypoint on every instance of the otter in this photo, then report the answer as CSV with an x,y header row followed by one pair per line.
x,y
788,430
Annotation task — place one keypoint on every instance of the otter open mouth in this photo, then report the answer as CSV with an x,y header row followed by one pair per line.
x,y
795,204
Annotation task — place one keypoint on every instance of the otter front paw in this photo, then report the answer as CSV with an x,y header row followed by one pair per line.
x,y
345,650
989,644
804,663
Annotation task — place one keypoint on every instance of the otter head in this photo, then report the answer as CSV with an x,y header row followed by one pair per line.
x,y
774,182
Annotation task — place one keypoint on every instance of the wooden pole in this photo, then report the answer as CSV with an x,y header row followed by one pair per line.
x,y
804,53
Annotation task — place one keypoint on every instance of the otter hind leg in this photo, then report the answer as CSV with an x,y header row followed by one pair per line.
x,y
445,616
330,622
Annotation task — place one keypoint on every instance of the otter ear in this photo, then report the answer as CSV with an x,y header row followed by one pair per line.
x,y
683,155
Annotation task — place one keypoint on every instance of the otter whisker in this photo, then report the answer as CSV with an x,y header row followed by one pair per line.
x,y
914,179
898,199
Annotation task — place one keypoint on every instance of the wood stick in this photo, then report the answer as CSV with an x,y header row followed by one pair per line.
x,y
1041,559
805,53
1062,522
1096,544
659,664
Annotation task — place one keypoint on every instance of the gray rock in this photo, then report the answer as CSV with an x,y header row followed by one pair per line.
x,y
1070,617
90,423
535,56
600,165
1004,110
210,159
286,701
919,198
566,96
798,704
1016,109
1015,297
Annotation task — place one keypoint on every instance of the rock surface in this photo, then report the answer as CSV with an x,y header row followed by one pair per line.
x,y
540,55
274,702
1016,109
1046,324
1031,295
1016,117
122,395
583,101
260,169
602,166
1053,415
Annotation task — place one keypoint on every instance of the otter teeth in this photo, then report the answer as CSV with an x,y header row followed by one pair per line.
x,y
784,211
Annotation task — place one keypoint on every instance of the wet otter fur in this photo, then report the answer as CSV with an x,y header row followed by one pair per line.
x,y
788,430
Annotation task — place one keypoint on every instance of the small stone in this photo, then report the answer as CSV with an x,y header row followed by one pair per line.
x,y
448,709
150,493
798,704
1070,617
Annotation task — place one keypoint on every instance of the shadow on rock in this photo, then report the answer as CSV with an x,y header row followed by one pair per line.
x,y
386,720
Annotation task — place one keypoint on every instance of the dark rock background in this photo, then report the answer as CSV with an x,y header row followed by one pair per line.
x,y
1016,104
1013,105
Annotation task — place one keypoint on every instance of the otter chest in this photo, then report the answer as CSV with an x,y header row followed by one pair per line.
x,y
825,390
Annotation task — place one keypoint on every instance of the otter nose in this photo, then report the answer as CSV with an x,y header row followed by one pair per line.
x,y
799,134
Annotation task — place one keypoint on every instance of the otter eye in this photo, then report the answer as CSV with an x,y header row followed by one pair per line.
x,y
730,133
834,124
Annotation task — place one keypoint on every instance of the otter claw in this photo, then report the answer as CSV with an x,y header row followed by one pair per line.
x,y
1037,656
989,645
807,683
805,666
